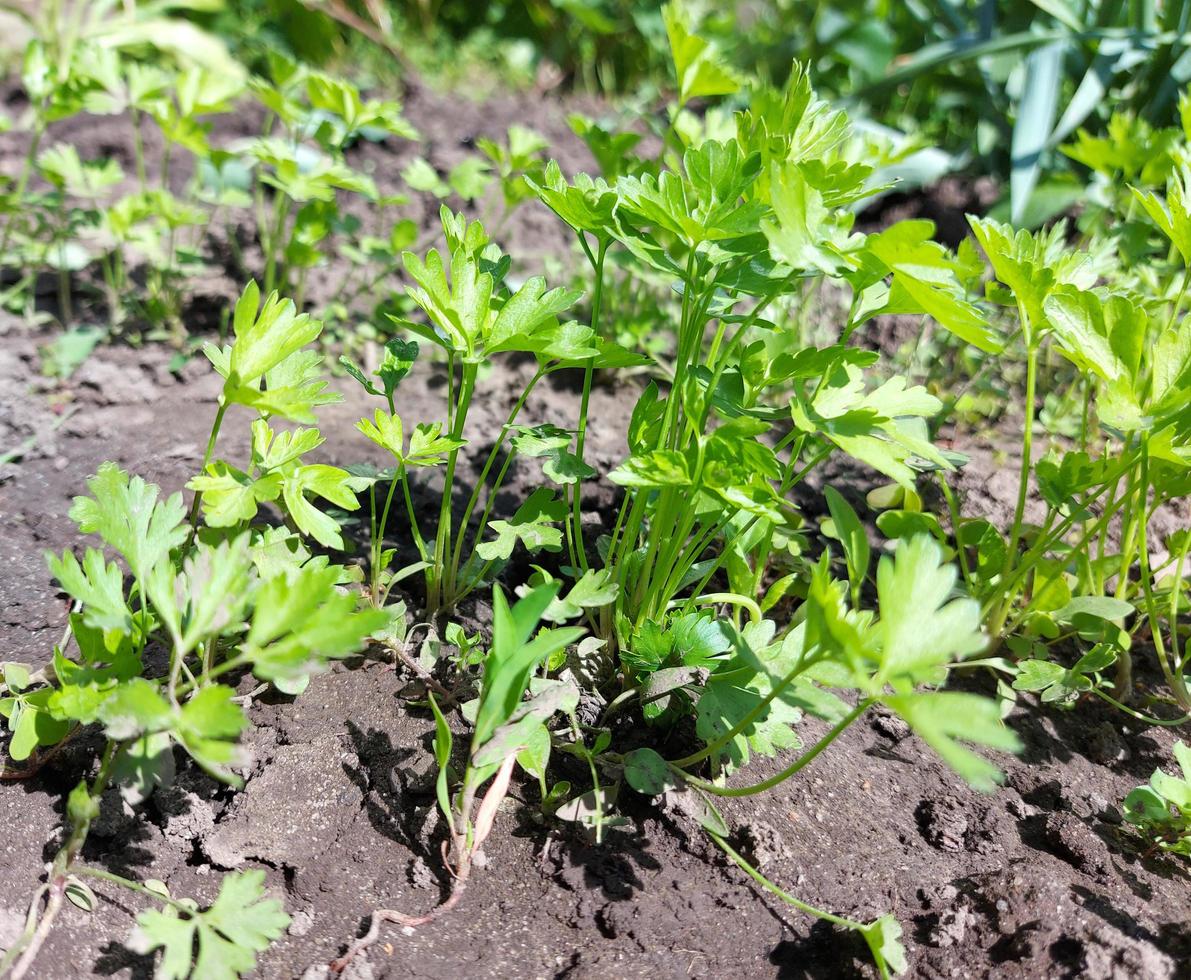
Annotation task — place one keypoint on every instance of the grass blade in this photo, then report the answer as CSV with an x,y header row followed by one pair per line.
x,y
1035,118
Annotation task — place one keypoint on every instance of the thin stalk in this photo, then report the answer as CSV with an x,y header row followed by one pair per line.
x,y
482,480
198,496
1148,719
752,715
1174,679
276,230
801,762
769,886
581,430
953,510
138,149
23,180
378,532
732,599
443,537
59,872
1044,544
1176,593
132,886
1027,447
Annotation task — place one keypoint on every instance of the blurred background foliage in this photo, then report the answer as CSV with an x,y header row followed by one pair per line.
x,y
1000,85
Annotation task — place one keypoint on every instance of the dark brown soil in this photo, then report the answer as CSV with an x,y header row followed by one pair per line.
x,y
1037,880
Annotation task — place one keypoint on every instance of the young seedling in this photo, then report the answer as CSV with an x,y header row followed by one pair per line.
x,y
232,597
473,316
759,686
737,227
506,725
1161,811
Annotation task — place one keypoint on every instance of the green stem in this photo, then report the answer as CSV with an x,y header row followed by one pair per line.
x,y
769,886
801,762
23,181
581,431
133,886
1148,719
1176,594
732,599
441,597
482,480
198,497
276,230
1027,456
21,956
752,715
953,510
1174,679
378,533
138,149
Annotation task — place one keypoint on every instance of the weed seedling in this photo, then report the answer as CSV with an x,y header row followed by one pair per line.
x,y
505,727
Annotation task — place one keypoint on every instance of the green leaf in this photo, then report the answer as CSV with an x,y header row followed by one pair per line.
x,y
531,526
655,469
460,306
919,630
1172,216
647,772
208,598
265,337
429,447
1102,335
1162,810
209,726
302,620
61,166
32,725
526,726
1032,265
136,708
419,175
294,388
386,430
701,204
880,428
943,718
595,588
127,514
231,496
883,937
470,178
220,943
66,353
802,226
442,756
851,535
530,311
79,895
698,64
99,586
925,279
397,362
514,656
1100,606
554,444
725,703
329,482
587,204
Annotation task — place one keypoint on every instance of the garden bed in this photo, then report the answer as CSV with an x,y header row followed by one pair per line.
x,y
1038,879
1041,878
